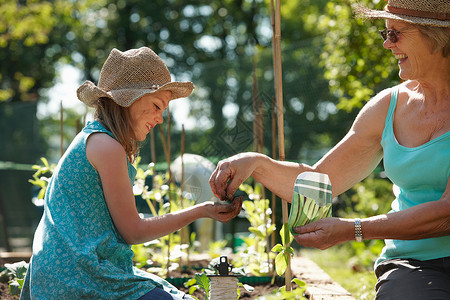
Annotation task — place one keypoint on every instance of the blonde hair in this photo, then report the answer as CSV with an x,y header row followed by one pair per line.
x,y
117,119
439,38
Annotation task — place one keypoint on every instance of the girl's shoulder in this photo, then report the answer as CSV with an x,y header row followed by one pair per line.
x,y
101,148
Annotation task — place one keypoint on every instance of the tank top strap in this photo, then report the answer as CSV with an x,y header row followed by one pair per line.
x,y
389,123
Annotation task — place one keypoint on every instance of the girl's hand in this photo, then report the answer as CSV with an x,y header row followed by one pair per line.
x,y
223,212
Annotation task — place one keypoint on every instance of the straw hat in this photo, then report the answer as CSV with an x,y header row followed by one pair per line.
x,y
431,12
127,76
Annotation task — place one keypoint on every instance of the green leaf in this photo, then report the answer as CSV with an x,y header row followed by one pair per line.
x,y
289,250
18,269
277,248
299,282
14,288
203,282
192,289
286,236
258,232
281,263
258,189
45,161
190,282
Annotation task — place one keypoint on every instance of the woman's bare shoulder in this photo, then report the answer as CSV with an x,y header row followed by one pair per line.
x,y
376,108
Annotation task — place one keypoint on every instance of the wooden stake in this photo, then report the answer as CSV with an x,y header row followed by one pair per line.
x,y
274,156
184,232
258,144
280,120
182,164
166,148
169,158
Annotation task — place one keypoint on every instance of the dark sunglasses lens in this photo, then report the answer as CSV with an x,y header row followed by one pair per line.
x,y
389,34
392,35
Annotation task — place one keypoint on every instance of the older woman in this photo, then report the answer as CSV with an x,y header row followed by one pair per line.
x,y
408,126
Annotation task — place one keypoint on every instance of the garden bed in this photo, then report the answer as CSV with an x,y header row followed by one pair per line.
x,y
319,284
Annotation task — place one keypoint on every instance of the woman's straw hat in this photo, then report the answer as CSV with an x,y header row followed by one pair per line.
x,y
127,76
431,12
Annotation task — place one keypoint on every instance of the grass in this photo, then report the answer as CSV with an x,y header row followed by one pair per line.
x,y
339,265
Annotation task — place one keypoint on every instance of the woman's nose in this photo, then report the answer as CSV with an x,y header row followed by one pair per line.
x,y
387,44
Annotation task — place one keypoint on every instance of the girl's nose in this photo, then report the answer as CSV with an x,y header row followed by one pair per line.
x,y
159,118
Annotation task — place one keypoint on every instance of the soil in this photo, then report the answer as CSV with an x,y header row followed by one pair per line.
x,y
260,289
4,292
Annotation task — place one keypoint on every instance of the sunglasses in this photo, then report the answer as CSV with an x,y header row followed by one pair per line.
x,y
391,34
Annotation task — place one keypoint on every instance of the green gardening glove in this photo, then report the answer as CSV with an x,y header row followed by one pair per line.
x,y
311,200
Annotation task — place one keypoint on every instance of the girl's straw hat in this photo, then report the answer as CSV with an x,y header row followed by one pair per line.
x,y
431,12
127,76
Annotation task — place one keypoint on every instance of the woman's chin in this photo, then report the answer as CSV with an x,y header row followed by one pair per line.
x,y
403,75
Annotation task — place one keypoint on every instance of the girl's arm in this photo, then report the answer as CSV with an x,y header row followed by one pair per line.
x,y
109,159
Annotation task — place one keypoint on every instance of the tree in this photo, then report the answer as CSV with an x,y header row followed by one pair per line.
x,y
214,44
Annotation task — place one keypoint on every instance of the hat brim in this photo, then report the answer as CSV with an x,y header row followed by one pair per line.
x,y
89,93
364,12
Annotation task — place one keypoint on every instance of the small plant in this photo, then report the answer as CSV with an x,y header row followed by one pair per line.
x,y
203,282
42,177
17,271
282,294
285,251
255,256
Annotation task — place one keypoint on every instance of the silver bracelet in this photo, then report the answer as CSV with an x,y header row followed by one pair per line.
x,y
358,230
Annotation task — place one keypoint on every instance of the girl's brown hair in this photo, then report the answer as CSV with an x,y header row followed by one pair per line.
x,y
117,119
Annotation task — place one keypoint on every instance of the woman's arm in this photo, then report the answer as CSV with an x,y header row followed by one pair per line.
x,y
426,220
109,159
350,161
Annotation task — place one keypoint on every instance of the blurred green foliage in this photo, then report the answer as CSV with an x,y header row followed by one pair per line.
x,y
331,61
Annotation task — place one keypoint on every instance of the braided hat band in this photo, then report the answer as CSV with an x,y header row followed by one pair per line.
x,y
127,76
431,12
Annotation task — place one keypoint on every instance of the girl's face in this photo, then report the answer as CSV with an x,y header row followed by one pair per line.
x,y
411,50
146,112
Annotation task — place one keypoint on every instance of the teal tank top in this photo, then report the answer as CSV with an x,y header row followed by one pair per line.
x,y
420,175
77,251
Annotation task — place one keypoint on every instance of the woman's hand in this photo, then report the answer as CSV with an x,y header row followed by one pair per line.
x,y
223,212
230,173
325,233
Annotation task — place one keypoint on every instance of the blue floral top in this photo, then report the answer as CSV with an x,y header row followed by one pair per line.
x,y
77,250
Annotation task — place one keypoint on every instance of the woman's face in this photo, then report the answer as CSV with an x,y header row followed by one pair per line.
x,y
146,112
412,51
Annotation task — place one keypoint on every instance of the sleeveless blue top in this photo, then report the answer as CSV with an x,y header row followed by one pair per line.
x,y
77,250
420,174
